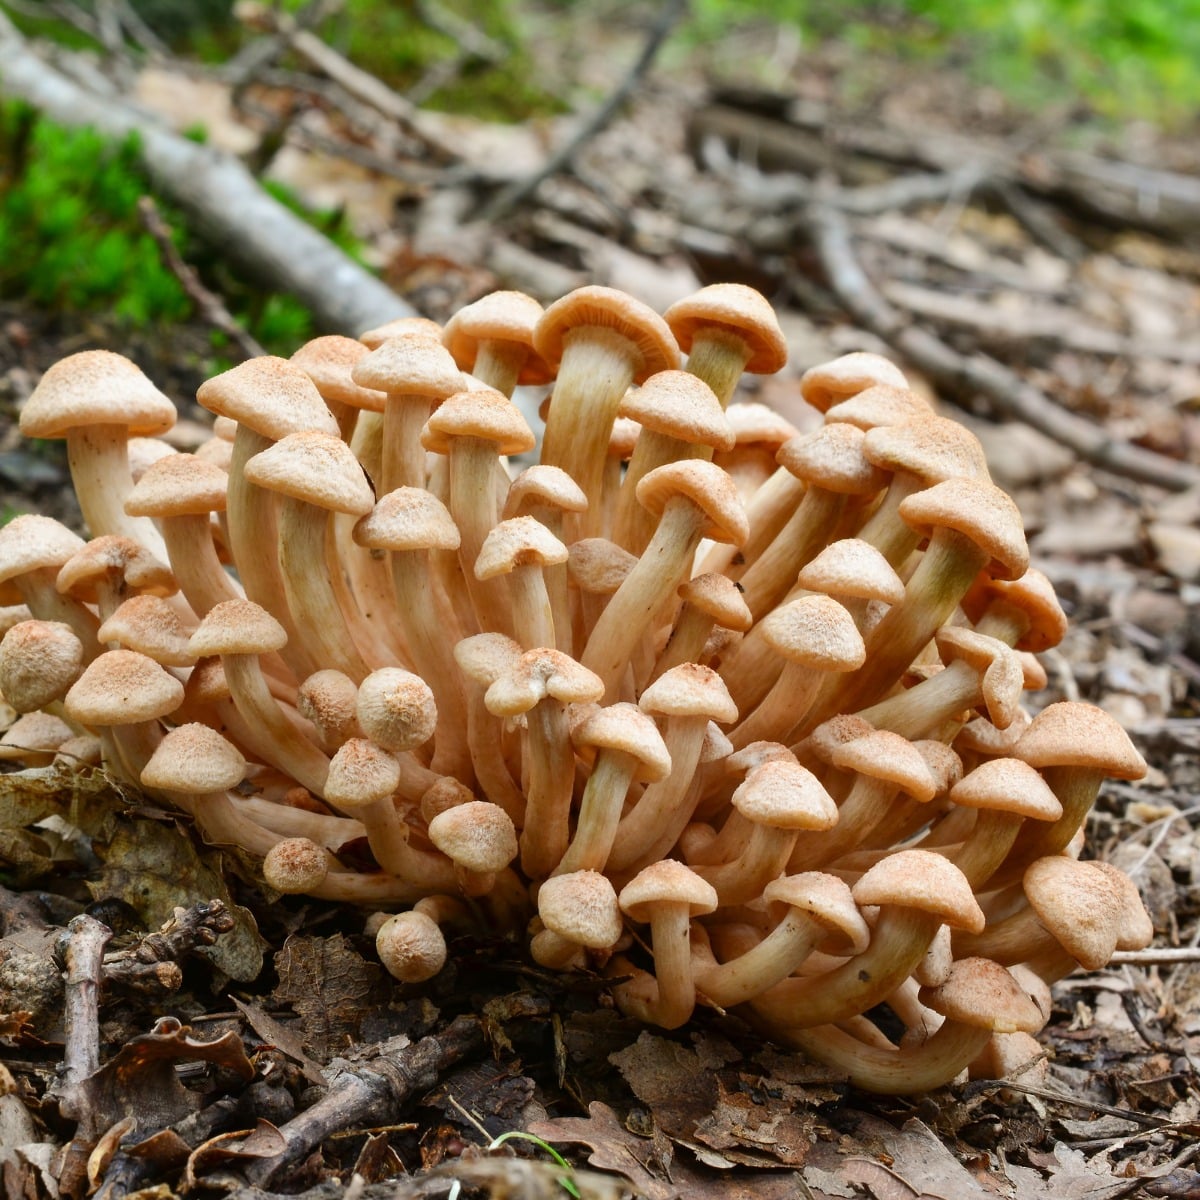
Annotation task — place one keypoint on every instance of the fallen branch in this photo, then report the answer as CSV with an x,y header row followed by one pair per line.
x,y
1006,391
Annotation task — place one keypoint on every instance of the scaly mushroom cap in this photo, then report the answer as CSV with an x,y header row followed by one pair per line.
x,y
396,709
237,627
295,865
34,543
887,756
832,458
318,468
598,566
478,836
827,899
114,557
269,395
329,361
122,687
680,406
690,690
738,309
1081,906
1007,785
824,385
194,758
540,673
784,795
879,405
815,631
932,448
360,773
717,596
582,907
922,880
149,625
759,425
982,993
39,660
517,542
1033,594
626,728
329,699
408,519
399,327
545,485
413,365
178,485
1002,679
498,317
95,387
1070,734
708,487
411,946
667,882
853,568
484,657
34,737
486,415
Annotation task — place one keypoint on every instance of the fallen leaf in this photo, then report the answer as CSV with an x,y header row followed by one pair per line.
x,y
670,1080
275,1034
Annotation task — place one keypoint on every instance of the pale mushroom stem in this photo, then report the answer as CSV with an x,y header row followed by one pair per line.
x,y
533,615
499,363
718,356
402,455
764,858
547,833
599,812
673,997
195,562
476,510
769,962
288,822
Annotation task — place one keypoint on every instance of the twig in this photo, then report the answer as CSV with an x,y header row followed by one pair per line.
x,y
1006,391
251,59
1155,956
83,955
209,304
508,198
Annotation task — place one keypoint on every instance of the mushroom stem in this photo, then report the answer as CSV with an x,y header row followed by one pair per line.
x,y
599,812
98,457
546,834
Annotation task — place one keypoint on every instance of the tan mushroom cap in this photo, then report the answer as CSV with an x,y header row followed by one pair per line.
x,y
295,866
690,690
95,387
499,317
708,487
1007,785
980,736
785,795
328,361
517,542
622,440
360,773
34,733
178,485
931,448
827,899
329,699
317,468
400,327
880,405
755,424
737,309
412,365
194,758
922,880
815,631
608,309
944,765
582,907
484,657
831,457
598,566
411,946
112,556
978,510
626,728
667,883
716,745
408,519
827,736
538,674
33,543
1072,734
827,383
852,567
486,415
39,660
149,625
982,993
206,682
237,627
477,836
717,596
122,687
1080,905
543,485
396,709
1034,595
1003,680
679,405
888,757
1136,929
144,452
269,395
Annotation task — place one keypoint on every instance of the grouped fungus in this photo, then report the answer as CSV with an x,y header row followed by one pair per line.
x,y
728,712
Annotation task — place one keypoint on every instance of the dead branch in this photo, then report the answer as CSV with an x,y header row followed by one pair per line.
x,y
1006,391
83,956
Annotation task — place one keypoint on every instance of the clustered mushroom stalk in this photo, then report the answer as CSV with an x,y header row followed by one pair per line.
x,y
738,735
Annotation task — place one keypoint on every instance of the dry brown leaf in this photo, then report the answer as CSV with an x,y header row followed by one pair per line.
x,y
676,1083
275,1034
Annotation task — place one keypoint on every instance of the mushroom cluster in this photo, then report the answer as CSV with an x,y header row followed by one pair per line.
x,y
728,712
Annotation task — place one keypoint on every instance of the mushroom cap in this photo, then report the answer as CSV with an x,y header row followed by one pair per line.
x,y
95,387
582,907
194,758
944,765
680,406
39,660
477,835
1007,785
653,346
1136,929
408,518
890,758
329,699
1002,679
416,364
666,884
827,899
486,415
399,327
360,773
717,596
177,486
931,448
598,566
396,709
517,542
882,404
110,558
830,734
716,745
328,361
982,993
34,733
922,880
149,625
690,690
1033,594
269,395
543,486
979,510
816,632
317,468
733,308
237,627
709,488
1072,734
852,567
538,674
498,317
626,728
295,865
122,687
784,795
826,384
484,657
1081,906
982,737
411,946
831,458
760,425
34,543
